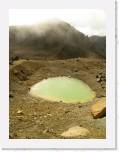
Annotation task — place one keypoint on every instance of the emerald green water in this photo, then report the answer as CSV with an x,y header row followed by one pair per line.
x,y
63,89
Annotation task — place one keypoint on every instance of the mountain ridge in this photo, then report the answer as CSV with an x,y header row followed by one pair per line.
x,y
55,40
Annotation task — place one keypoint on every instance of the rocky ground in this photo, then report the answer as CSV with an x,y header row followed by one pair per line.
x,y
36,118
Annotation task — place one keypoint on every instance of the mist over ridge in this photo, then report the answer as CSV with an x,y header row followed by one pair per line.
x,y
54,39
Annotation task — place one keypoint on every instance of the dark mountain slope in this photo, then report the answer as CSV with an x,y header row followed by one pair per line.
x,y
98,45
54,40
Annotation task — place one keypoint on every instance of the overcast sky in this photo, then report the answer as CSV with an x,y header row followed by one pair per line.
x,y
88,21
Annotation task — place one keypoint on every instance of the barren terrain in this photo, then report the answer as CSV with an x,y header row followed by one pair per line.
x,y
36,118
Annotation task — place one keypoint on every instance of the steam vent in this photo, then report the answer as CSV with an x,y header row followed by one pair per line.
x,y
63,89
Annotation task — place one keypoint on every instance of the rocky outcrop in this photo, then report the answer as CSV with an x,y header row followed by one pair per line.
x,y
98,109
22,74
101,78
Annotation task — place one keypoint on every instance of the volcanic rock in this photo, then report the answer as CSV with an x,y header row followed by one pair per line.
x,y
75,131
20,112
98,110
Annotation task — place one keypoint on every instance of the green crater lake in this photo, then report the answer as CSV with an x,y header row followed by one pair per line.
x,y
63,89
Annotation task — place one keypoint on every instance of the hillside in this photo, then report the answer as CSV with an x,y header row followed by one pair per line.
x,y
54,40
37,118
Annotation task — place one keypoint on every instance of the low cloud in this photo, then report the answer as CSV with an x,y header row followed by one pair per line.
x,y
88,21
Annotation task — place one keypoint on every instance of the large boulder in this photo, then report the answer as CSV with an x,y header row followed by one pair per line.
x,y
75,131
98,109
